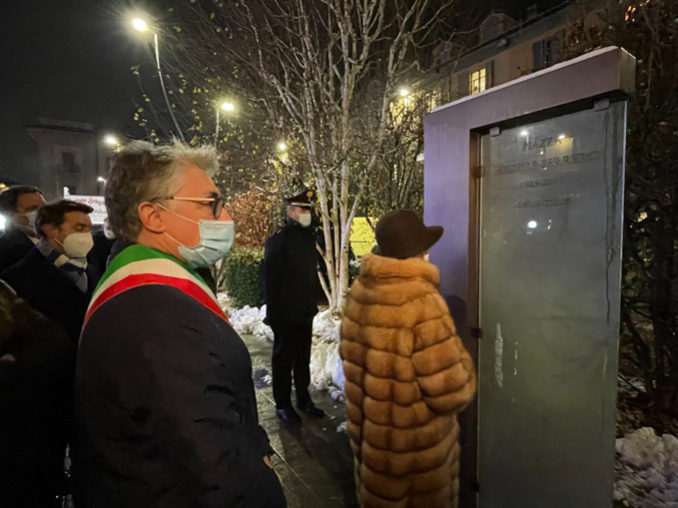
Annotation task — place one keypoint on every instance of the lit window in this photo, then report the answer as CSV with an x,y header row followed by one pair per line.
x,y
477,81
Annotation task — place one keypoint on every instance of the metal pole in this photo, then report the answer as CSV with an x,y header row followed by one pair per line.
x,y
216,129
162,85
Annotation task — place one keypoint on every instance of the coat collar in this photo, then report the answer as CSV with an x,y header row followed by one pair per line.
x,y
374,266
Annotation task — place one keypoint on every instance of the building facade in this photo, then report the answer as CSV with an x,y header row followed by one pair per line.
x,y
506,49
70,156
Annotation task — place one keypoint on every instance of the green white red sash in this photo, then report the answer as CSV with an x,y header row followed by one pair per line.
x,y
139,265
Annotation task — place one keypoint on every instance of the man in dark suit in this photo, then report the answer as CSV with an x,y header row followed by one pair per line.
x,y
19,205
53,276
290,284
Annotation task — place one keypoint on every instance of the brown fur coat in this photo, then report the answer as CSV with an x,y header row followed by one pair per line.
x,y
407,377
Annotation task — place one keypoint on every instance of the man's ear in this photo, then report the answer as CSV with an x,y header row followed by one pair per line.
x,y
49,230
151,218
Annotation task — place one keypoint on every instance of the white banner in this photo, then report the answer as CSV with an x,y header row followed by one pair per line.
x,y
96,202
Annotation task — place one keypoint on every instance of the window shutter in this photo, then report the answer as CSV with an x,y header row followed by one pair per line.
x,y
462,84
537,56
489,78
557,47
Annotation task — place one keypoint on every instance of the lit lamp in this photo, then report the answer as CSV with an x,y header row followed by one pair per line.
x,y
140,25
226,106
112,141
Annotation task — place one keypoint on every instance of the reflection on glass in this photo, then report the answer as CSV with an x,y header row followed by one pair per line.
x,y
550,273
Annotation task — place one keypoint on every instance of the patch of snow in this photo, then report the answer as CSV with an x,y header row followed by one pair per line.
x,y
249,321
337,394
646,469
324,359
326,326
327,372
342,427
222,298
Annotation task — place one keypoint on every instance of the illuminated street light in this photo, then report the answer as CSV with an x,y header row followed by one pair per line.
x,y
101,179
282,146
226,106
561,137
524,133
141,25
404,92
111,140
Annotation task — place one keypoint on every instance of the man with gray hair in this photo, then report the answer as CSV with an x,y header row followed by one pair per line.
x,y
165,408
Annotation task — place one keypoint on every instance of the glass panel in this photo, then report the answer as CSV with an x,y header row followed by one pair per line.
x,y
551,217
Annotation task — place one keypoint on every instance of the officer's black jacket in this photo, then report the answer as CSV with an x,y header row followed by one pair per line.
x,y
289,275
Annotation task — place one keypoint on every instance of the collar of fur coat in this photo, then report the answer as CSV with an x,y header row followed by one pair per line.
x,y
373,266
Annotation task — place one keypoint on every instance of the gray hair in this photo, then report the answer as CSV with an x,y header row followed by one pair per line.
x,y
144,172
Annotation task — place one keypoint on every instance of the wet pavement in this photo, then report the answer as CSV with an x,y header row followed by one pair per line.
x,y
314,461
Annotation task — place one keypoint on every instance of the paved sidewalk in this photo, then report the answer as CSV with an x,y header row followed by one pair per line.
x,y
314,461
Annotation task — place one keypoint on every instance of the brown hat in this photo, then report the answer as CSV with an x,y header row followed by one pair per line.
x,y
401,234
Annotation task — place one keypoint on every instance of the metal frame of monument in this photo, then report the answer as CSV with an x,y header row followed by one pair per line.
x,y
452,135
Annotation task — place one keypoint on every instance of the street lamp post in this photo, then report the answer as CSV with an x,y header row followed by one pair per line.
x,y
140,25
226,106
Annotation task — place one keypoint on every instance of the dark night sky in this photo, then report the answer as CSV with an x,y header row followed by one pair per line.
x,y
65,59
70,59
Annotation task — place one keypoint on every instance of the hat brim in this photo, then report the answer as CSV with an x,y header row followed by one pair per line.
x,y
434,234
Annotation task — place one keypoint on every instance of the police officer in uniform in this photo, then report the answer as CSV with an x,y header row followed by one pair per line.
x,y
290,285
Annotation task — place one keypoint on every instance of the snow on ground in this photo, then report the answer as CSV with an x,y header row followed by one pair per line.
x,y
646,470
326,369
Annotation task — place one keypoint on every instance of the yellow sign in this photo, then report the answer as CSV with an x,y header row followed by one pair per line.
x,y
362,236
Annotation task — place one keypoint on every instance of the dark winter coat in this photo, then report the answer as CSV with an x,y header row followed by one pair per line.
x,y
37,362
97,257
407,377
14,245
165,409
47,289
290,275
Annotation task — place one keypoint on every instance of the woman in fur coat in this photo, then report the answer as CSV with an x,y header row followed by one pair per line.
x,y
408,374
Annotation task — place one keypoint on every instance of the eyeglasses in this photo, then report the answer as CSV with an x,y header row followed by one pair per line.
x,y
216,202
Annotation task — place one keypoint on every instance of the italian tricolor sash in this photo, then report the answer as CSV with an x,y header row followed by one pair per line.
x,y
139,265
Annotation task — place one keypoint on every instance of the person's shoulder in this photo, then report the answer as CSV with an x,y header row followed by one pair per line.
x,y
153,312
277,236
31,261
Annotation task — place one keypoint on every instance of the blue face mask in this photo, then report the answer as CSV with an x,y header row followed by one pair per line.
x,y
216,239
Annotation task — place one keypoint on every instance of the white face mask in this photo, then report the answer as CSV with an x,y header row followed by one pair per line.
x,y
77,245
304,219
29,228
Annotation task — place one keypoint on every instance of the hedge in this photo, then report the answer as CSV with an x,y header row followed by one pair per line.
x,y
241,276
